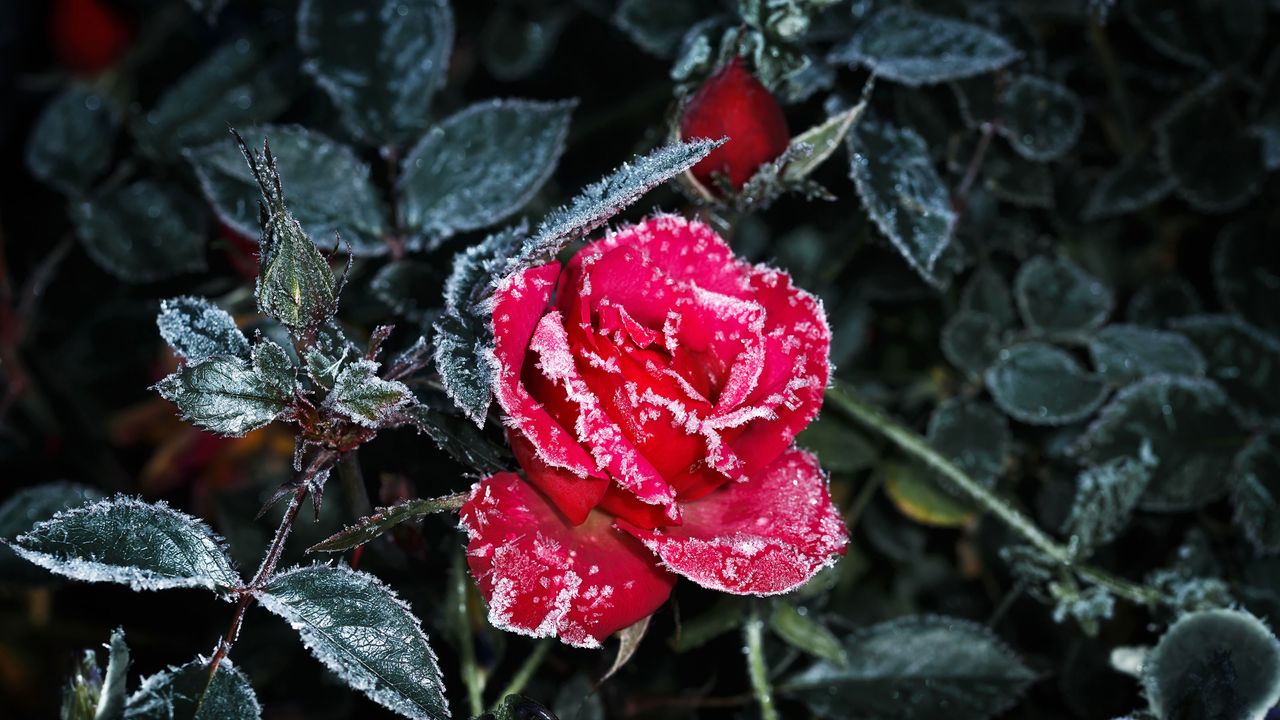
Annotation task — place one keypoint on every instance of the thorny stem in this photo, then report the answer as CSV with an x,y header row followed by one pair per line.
x,y
525,673
911,443
753,632
268,566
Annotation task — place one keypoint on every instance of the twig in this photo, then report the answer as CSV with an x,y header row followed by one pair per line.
x,y
753,632
914,445
961,197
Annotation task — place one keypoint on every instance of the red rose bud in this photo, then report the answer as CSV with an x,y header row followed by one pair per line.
x,y
652,389
88,35
733,104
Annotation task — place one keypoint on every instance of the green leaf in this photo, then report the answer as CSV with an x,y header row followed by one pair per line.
x,y
1138,182
806,634
727,614
72,141
1255,493
479,166
142,232
973,435
1016,180
822,139
1042,119
124,540
1246,274
464,442
326,357
188,693
916,48
918,495
1214,664
409,287
1105,499
902,192
236,84
370,527
971,341
24,509
330,192
597,203
380,63
362,632
1214,177
273,364
578,700
359,394
1203,32
1242,359
1190,428
197,329
517,40
460,344
1056,296
988,293
657,26
842,448
1124,353
912,668
295,285
1040,384
224,395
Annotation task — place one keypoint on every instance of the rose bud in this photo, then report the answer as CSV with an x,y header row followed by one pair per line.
x,y
733,104
88,35
652,390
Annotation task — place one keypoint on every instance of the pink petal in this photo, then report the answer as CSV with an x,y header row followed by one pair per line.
x,y
543,578
767,535
519,301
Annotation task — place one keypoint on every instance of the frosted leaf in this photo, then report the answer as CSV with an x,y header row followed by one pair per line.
x,y
295,285
188,693
1246,274
362,632
911,668
988,293
236,84
474,268
1138,182
272,364
148,546
27,507
657,26
974,435
111,701
1088,606
1242,359
373,526
224,395
1123,353
1042,119
197,329
1040,384
330,352
971,341
479,166
1255,493
1214,664
72,141
1106,497
379,62
461,345
822,140
330,192
359,394
1214,177
903,194
458,437
600,201
409,287
1156,303
142,232
1055,296
916,48
1190,428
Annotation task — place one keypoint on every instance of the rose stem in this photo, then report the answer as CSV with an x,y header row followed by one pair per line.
x,y
269,561
911,443
753,632
472,677
526,671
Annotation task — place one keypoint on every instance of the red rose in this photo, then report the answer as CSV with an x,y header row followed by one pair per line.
x,y
89,35
652,390
733,104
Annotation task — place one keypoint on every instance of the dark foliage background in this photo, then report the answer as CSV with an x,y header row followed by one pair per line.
x,y
1144,193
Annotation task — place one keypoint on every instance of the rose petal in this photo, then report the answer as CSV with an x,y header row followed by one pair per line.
x,y
544,578
572,495
765,536
519,301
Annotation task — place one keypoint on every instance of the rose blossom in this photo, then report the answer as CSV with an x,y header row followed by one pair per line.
x,y
652,390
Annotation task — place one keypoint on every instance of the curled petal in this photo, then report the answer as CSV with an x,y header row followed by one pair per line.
x,y
764,536
545,578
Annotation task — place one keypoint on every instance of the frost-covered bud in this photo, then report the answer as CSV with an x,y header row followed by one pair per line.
x,y
734,104
88,35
